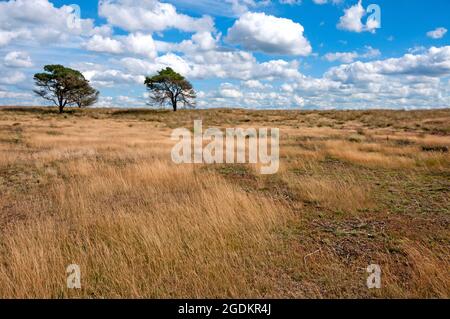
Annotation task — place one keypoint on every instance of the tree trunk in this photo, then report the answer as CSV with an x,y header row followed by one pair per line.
x,y
61,104
174,104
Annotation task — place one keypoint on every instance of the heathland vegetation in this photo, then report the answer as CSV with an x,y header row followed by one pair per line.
x,y
97,188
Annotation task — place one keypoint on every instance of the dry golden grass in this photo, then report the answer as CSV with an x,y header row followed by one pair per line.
x,y
97,188
335,192
150,230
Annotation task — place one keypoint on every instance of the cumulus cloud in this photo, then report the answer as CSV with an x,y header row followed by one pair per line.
x,y
352,20
413,80
253,84
292,2
12,77
327,1
345,57
7,36
229,91
417,79
239,7
348,57
40,20
14,95
122,101
18,59
150,15
216,64
433,63
142,68
269,34
111,78
199,43
99,43
141,44
134,43
230,95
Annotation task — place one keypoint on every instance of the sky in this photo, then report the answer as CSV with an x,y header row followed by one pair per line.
x,y
258,54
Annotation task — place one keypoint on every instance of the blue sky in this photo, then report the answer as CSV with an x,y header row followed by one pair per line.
x,y
305,54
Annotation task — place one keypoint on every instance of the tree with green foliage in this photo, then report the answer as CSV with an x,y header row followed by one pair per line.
x,y
86,95
170,87
64,87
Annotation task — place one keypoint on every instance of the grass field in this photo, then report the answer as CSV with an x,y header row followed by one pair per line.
x,y
98,188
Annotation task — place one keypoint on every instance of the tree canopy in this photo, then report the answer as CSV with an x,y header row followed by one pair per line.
x,y
64,86
170,87
85,95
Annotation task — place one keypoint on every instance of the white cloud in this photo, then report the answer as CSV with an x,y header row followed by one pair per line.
x,y
18,59
111,78
202,41
14,95
417,79
348,57
216,64
199,43
434,63
239,7
414,81
7,36
174,61
143,67
122,101
438,33
299,101
99,43
134,43
320,2
352,20
40,20
345,57
275,69
151,16
229,95
253,84
225,8
269,34
371,53
141,44
229,91
12,77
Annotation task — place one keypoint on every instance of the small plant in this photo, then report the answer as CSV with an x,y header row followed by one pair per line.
x,y
356,138
435,149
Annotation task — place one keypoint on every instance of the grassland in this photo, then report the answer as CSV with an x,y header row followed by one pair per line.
x,y
97,188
